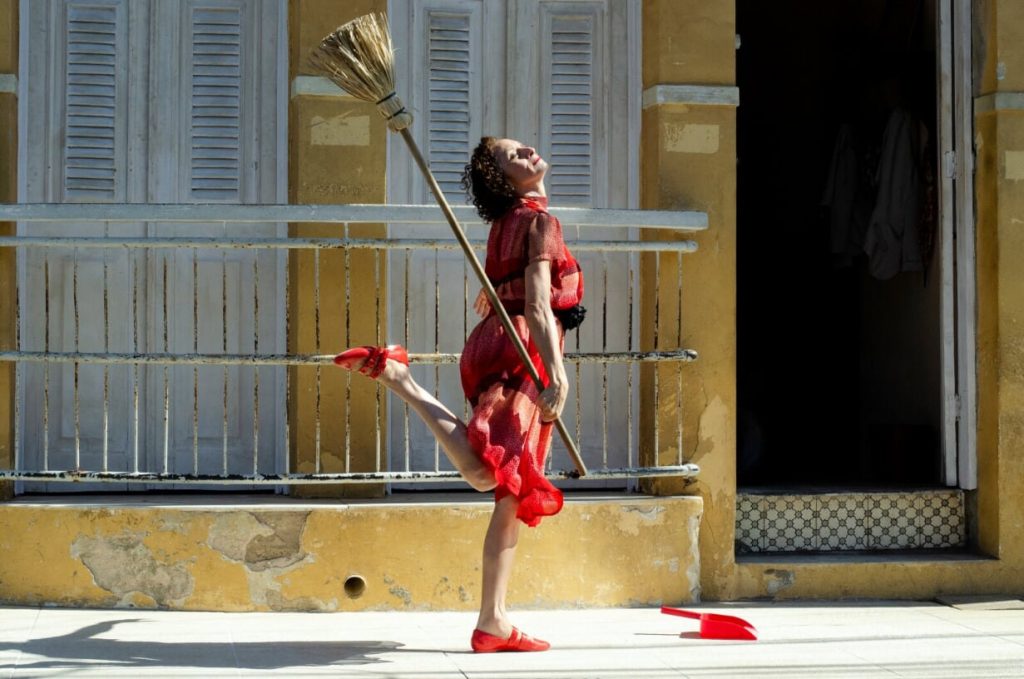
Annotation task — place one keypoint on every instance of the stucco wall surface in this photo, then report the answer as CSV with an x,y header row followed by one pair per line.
x,y
688,162
337,153
639,551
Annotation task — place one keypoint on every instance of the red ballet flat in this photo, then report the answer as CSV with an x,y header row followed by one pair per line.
x,y
482,642
371,360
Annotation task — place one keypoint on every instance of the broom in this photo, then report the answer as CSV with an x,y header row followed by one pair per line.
x,y
358,58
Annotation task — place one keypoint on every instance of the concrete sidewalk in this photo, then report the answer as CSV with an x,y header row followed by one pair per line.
x,y
812,639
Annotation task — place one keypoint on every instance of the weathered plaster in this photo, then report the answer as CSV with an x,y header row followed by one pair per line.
x,y
336,154
122,565
599,553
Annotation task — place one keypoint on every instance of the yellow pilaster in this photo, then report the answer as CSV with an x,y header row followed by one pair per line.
x,y
688,161
999,191
337,154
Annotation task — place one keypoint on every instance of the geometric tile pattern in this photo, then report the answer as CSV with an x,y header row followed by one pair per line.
x,y
926,519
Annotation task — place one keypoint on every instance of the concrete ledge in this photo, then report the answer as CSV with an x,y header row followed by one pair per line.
x,y
999,101
275,554
700,95
317,86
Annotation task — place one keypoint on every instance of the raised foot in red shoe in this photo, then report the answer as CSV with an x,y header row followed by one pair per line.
x,y
482,642
370,360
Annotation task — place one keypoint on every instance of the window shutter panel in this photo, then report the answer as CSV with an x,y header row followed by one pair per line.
x,y
216,95
94,57
448,97
568,128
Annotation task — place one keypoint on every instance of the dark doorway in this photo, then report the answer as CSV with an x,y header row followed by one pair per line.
x,y
838,334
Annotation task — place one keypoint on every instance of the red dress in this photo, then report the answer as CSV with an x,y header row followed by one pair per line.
x,y
506,430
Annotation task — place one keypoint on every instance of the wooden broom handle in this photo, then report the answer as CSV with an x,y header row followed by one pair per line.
x,y
496,304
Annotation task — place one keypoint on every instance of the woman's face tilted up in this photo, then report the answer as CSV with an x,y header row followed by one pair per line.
x,y
522,166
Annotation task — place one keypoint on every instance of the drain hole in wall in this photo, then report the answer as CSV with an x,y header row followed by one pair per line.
x,y
355,586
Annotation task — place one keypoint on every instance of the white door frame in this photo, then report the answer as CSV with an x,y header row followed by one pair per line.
x,y
957,233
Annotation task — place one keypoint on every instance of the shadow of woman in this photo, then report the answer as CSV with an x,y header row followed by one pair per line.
x,y
84,648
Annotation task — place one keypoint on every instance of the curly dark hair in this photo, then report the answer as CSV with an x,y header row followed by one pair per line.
x,y
486,184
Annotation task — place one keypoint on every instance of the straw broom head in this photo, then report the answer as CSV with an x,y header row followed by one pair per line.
x,y
358,58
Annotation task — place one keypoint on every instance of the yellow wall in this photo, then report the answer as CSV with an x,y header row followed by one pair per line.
x,y
692,43
679,175
8,194
337,154
689,42
297,557
1000,243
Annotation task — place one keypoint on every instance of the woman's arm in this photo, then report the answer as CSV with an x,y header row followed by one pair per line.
x,y
544,333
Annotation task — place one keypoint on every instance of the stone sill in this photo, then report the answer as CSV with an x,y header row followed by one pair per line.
x,y
862,557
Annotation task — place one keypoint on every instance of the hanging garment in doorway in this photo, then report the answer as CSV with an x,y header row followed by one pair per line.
x,y
892,242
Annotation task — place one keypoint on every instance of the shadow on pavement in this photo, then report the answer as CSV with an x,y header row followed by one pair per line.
x,y
83,648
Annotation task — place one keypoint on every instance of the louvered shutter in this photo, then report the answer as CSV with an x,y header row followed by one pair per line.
x,y
570,113
448,97
93,142
216,94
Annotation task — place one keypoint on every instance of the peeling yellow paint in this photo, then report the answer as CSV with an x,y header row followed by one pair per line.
x,y
605,553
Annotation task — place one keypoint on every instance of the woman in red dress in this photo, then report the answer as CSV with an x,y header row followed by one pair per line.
x,y
506,441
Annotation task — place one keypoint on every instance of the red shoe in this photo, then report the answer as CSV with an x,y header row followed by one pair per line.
x,y
482,642
371,360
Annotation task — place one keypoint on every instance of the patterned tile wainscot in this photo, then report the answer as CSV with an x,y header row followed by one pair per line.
x,y
846,521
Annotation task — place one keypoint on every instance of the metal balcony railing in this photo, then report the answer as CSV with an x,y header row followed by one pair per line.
x,y
127,373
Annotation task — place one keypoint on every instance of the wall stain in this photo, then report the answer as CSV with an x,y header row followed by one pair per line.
x,y
777,580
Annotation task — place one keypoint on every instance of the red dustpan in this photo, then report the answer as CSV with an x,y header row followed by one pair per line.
x,y
716,625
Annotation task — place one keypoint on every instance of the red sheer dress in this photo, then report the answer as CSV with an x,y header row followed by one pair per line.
x,y
506,430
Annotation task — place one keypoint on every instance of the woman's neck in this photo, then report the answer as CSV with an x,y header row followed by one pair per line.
x,y
534,192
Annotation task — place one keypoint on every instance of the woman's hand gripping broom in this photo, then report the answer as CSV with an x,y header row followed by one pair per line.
x,y
358,58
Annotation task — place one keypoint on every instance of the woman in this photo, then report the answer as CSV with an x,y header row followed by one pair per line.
x,y
507,439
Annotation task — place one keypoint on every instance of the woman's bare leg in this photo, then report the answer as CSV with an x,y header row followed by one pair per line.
x,y
499,555
449,430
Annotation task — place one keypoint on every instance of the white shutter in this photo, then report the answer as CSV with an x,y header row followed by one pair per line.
x,y
216,96
94,58
448,97
568,128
